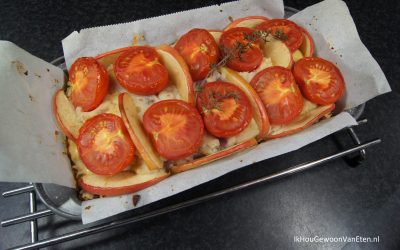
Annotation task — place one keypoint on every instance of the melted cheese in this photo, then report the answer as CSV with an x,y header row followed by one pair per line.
x,y
144,102
109,105
266,62
211,144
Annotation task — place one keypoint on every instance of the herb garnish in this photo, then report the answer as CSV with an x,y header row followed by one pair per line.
x,y
239,49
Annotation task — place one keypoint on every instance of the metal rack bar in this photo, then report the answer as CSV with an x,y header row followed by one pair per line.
x,y
26,217
116,224
20,190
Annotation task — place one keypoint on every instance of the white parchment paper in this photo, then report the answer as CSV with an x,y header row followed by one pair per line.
x,y
164,29
336,39
30,148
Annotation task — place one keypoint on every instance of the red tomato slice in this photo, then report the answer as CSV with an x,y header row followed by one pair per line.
x,y
246,60
139,71
199,50
89,83
280,94
104,145
175,127
225,108
320,81
291,30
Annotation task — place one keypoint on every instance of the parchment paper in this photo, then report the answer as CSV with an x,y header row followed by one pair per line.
x,y
164,29
30,148
39,158
336,39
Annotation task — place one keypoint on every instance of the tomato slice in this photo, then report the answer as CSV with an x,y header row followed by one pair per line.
x,y
104,144
320,80
89,83
243,60
199,50
280,94
290,29
225,108
175,127
139,71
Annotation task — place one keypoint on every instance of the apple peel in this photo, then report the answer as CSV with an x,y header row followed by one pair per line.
x,y
248,22
311,114
213,157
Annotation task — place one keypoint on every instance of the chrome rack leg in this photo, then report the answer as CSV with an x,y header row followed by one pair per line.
x,y
357,159
33,222
119,223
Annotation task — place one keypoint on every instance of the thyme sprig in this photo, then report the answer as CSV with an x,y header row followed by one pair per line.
x,y
215,98
239,49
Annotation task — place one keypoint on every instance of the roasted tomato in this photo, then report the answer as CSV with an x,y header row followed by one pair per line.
x,y
88,83
175,127
199,50
291,31
139,71
247,54
225,108
320,81
104,145
280,94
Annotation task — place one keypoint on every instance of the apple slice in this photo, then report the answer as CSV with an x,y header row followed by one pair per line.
x,y
297,55
259,111
65,115
121,183
109,57
213,157
311,114
139,137
216,34
278,52
248,22
307,47
178,72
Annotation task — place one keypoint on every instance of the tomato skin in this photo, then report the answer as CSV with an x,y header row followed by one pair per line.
x,y
244,61
292,31
175,128
104,144
320,80
139,71
199,50
225,108
89,83
279,93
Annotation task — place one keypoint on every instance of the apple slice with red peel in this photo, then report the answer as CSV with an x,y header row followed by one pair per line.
x,y
178,72
216,34
64,113
279,53
213,157
307,47
311,114
109,57
248,22
138,135
259,111
121,183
